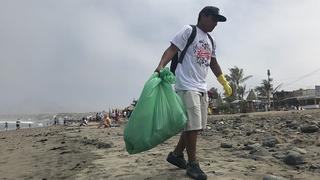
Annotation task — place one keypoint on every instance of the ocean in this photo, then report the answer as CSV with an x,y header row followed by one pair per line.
x,y
24,123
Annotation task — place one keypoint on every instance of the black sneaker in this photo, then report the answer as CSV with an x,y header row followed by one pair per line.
x,y
178,161
194,171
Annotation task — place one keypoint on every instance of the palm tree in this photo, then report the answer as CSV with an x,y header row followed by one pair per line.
x,y
242,91
236,78
213,96
213,93
266,86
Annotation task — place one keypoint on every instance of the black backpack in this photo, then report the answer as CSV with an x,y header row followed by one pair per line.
x,y
178,59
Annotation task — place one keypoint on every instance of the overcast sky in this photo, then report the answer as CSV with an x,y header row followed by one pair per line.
x,y
90,55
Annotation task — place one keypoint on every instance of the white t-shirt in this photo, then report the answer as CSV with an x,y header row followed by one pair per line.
x,y
192,73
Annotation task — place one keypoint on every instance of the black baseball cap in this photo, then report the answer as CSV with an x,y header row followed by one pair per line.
x,y
213,11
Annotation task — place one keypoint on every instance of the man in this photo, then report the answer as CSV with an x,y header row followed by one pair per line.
x,y
17,125
191,84
107,121
6,125
101,118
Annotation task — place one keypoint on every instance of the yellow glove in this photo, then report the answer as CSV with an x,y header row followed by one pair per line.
x,y
227,89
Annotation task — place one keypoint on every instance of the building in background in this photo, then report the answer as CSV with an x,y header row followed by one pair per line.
x,y
302,98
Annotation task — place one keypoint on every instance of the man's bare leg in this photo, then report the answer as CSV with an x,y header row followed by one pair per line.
x,y
190,139
181,145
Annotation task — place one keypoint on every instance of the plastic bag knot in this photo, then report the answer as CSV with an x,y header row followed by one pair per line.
x,y
167,76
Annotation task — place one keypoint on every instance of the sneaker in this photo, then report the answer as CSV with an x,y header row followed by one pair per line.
x,y
194,171
178,161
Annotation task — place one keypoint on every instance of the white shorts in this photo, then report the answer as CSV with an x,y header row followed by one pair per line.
x,y
196,104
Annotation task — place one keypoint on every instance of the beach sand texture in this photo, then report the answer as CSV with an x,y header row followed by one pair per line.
x,y
239,146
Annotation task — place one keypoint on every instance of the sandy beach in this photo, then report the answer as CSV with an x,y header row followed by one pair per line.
x,y
267,145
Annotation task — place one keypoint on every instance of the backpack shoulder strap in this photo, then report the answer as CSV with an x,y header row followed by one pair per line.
x,y
212,43
190,40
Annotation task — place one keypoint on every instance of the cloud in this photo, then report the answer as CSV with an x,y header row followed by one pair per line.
x,y
94,55
276,35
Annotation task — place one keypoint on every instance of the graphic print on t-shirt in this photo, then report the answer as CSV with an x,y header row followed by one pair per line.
x,y
202,53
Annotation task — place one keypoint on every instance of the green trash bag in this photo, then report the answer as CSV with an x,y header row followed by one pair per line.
x,y
158,115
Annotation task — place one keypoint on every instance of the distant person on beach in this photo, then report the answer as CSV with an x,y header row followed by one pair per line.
x,y
191,84
107,122
97,117
6,126
113,114
101,119
125,114
55,121
17,125
84,122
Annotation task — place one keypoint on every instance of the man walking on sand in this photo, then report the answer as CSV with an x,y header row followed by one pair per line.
x,y
191,84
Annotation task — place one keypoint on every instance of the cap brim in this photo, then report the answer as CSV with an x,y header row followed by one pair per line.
x,y
221,18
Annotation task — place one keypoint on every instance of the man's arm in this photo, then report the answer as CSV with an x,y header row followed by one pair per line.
x,y
167,56
215,67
